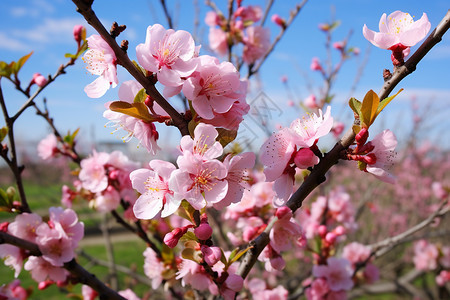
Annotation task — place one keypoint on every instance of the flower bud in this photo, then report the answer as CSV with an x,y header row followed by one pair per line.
x,y
79,33
4,226
211,255
310,102
305,158
322,230
39,80
339,45
282,212
279,21
171,239
45,284
203,231
315,64
340,230
277,263
234,282
330,237
362,136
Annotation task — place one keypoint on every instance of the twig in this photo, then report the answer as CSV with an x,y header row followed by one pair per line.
x,y
166,13
84,8
292,16
266,12
317,176
109,253
72,266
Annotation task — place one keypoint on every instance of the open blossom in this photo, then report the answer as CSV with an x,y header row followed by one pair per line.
x,y
384,144
153,185
213,87
41,270
338,273
312,128
153,267
398,28
256,43
249,13
218,40
145,132
100,60
425,255
167,53
204,144
356,252
48,147
284,231
93,174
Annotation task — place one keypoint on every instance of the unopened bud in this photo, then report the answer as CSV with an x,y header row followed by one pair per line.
x,y
211,255
45,284
282,212
279,21
330,238
340,230
79,33
305,158
39,80
322,230
171,239
315,64
234,282
203,231
362,136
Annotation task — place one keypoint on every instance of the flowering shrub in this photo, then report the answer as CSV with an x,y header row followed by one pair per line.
x,y
216,220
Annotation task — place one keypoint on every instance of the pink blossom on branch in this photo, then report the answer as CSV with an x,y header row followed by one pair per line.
x,y
338,273
100,60
167,53
48,147
256,43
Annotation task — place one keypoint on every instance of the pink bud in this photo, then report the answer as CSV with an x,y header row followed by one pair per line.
x,y
277,263
234,282
114,174
362,136
203,231
282,212
239,25
330,238
211,255
79,33
339,45
171,238
322,230
315,64
305,158
45,284
278,20
212,19
39,80
340,230
310,102
4,226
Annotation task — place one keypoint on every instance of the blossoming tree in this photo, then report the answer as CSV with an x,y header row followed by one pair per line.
x,y
216,220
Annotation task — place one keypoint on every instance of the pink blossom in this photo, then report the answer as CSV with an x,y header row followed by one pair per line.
x,y
108,200
310,102
203,231
213,87
13,291
212,19
371,273
144,131
67,219
153,267
204,144
24,226
315,64
93,174
12,257
310,129
153,185
234,282
48,147
425,255
218,41
318,289
199,182
128,294
192,273
443,278
55,245
355,252
259,290
398,28
41,269
284,231
249,13
237,177
384,144
445,258
88,292
338,273
100,60
79,33
256,43
167,53
40,80
438,190
339,45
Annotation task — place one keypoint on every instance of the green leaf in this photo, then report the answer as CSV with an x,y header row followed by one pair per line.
x,y
187,212
226,136
143,71
223,258
355,105
4,199
369,108
239,255
68,55
188,236
21,62
140,96
3,133
5,69
191,254
136,110
385,102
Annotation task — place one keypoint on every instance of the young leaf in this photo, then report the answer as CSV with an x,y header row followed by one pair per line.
x,y
226,136
140,96
355,105
385,102
369,108
19,64
239,254
3,133
136,110
5,69
188,236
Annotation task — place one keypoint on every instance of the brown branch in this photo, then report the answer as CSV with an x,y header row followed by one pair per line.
x,y
266,12
317,175
292,16
166,13
85,9
72,266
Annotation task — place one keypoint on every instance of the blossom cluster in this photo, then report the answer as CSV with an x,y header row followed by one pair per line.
x,y
429,257
56,238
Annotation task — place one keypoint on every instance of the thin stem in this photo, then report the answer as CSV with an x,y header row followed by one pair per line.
x,y
166,13
266,12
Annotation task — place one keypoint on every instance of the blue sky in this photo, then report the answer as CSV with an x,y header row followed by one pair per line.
x,y
45,27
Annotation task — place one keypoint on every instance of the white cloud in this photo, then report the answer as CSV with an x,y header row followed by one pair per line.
x,y
12,44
